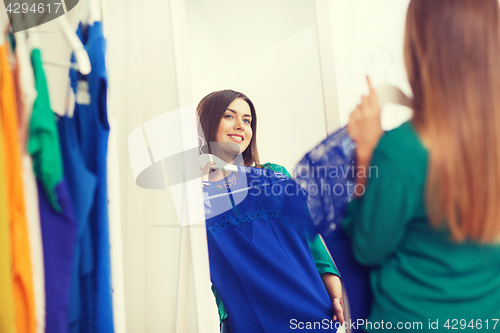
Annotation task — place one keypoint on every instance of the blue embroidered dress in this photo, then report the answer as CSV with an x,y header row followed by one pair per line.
x,y
328,174
260,261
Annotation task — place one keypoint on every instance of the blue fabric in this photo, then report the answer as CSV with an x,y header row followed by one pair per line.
x,y
260,261
82,185
327,173
59,237
96,313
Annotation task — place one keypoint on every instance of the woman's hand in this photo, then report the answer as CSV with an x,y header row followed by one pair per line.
x,y
334,287
365,126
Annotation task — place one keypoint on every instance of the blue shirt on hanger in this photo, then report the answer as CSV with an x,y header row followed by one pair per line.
x,y
93,130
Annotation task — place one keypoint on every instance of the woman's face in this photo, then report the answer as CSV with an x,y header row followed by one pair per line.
x,y
235,127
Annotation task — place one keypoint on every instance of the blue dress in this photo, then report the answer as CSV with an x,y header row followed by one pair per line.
x,y
91,118
328,174
59,238
82,185
260,261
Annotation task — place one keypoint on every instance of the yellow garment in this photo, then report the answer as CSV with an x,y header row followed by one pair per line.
x,y
24,312
6,295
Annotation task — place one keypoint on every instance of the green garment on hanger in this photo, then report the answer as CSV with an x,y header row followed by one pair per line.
x,y
43,142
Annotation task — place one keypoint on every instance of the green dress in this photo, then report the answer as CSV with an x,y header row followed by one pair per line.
x,y
322,258
418,275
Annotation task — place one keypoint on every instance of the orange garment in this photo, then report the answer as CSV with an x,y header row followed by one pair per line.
x,y
24,312
6,296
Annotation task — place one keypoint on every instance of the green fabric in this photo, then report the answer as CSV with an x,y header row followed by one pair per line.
x,y
12,40
417,273
322,258
276,168
43,142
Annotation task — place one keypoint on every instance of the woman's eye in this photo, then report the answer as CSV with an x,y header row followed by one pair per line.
x,y
247,121
228,116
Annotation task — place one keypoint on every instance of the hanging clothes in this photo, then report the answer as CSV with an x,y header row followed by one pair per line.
x,y
56,215
82,185
25,80
43,143
59,237
93,131
24,312
36,244
260,261
6,289
328,174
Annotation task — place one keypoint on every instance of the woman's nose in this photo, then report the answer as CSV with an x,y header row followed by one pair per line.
x,y
238,124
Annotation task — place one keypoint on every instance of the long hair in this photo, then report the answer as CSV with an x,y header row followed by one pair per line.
x,y
452,55
210,112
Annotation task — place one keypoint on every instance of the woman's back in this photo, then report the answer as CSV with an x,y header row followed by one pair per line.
x,y
419,273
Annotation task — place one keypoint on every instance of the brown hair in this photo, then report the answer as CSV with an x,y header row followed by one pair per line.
x,y
210,112
452,54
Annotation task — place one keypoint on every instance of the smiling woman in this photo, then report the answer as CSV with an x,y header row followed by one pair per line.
x,y
236,126
228,117
264,271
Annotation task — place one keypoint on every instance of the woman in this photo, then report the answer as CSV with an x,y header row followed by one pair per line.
x,y
429,223
262,269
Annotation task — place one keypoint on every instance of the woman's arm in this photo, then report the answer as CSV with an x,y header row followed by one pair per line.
x,y
376,220
334,287
321,256
365,128
329,274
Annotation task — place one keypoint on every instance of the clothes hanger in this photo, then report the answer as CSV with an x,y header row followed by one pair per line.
x,y
21,44
219,163
82,58
391,94
81,55
204,159
4,27
95,12
33,39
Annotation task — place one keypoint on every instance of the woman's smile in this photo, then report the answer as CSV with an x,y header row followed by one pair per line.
x,y
237,137
235,127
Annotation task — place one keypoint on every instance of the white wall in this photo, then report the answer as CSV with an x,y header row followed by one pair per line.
x,y
142,87
268,50
368,38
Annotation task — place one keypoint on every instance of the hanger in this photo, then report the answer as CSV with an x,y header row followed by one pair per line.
x,y
81,55
4,27
21,48
392,94
33,39
219,163
95,13
82,58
